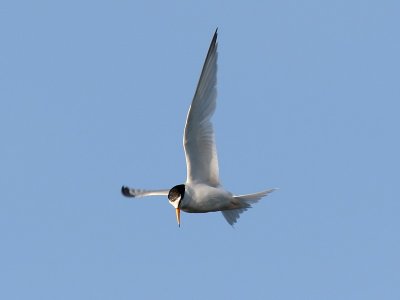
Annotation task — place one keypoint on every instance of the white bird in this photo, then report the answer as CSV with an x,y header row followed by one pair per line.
x,y
202,192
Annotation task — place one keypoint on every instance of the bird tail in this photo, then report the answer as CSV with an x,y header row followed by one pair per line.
x,y
244,202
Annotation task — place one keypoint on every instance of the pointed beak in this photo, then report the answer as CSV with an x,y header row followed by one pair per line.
x,y
178,216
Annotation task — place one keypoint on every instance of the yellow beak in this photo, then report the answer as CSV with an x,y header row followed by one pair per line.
x,y
178,216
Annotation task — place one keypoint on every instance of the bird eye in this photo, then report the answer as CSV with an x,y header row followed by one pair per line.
x,y
174,196
176,193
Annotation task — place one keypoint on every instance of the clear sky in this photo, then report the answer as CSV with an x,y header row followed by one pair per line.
x,y
94,95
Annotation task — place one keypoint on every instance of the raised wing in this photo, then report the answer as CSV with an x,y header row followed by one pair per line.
x,y
129,192
198,137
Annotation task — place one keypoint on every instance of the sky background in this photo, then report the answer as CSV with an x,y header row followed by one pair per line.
x,y
94,95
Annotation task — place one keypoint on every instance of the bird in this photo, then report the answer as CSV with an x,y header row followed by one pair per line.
x,y
202,192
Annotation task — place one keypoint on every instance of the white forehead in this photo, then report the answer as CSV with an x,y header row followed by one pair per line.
x,y
176,202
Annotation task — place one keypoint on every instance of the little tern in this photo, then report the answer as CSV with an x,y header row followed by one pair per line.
x,y
202,192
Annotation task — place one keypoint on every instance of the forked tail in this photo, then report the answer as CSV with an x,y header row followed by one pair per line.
x,y
245,202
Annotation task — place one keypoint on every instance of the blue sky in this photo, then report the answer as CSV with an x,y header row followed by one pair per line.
x,y
94,95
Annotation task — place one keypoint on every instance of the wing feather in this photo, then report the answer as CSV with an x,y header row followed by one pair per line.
x,y
130,192
198,138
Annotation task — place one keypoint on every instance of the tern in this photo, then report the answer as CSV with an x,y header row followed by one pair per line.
x,y
202,192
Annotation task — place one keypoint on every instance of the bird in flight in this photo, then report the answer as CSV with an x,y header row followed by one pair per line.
x,y
202,192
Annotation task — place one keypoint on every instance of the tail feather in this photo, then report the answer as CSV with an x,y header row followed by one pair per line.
x,y
253,198
232,215
245,201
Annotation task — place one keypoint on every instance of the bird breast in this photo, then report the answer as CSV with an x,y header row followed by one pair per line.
x,y
204,198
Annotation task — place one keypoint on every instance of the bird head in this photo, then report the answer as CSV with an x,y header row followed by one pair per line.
x,y
175,196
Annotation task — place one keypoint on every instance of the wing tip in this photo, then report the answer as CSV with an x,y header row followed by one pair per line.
x,y
214,39
126,192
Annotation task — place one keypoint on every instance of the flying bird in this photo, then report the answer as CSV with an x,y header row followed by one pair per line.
x,y
202,192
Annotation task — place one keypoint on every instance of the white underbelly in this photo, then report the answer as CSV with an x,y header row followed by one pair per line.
x,y
203,198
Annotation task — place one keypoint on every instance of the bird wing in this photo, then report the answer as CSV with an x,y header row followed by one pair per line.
x,y
129,192
198,137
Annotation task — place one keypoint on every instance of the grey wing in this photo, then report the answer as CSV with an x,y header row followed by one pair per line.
x,y
129,192
198,138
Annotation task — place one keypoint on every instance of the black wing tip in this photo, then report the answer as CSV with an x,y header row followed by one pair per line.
x,y
215,36
213,45
126,192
